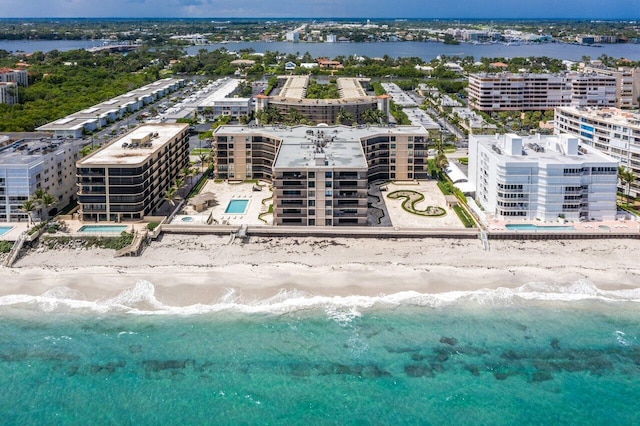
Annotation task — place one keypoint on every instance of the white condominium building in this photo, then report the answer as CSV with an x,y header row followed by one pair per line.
x,y
543,178
609,130
519,92
8,93
8,75
32,164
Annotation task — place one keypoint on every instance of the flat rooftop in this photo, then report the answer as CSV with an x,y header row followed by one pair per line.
x,y
126,151
295,87
543,150
610,115
109,106
350,88
27,151
222,92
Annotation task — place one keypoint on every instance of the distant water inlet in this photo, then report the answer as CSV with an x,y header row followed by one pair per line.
x,y
411,198
237,207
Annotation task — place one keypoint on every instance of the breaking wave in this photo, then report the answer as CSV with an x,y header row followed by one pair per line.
x,y
142,299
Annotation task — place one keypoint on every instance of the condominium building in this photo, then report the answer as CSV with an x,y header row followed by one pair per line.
x,y
627,83
249,152
542,177
8,93
519,92
98,116
29,165
8,75
320,180
353,100
128,179
609,130
220,102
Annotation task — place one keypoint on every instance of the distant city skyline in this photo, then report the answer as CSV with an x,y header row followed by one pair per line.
x,y
463,9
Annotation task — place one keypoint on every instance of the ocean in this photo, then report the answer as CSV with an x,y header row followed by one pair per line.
x,y
537,354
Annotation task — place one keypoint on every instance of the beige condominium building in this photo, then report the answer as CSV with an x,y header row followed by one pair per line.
x,y
521,92
609,130
353,100
320,173
128,179
627,83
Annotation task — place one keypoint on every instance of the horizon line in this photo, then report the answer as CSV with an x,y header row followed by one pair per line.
x,y
328,18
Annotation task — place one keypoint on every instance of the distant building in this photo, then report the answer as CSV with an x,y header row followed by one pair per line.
x,y
520,92
9,93
544,178
627,83
290,66
8,75
320,173
128,179
353,100
98,116
609,130
292,36
28,165
219,103
331,38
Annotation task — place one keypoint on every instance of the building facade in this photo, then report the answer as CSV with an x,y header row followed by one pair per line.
x,y
544,178
353,100
20,77
8,93
320,173
27,166
128,179
610,130
627,84
522,92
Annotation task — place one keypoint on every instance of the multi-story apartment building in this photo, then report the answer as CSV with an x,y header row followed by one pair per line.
x,y
128,179
627,83
8,93
609,130
542,177
40,164
320,173
353,100
245,152
521,92
320,180
220,102
8,75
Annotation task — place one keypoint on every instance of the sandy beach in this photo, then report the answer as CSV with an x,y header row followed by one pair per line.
x,y
187,270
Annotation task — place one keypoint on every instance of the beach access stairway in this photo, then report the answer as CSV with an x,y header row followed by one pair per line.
x,y
15,250
135,248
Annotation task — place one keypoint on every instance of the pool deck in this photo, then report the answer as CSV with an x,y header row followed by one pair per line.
x,y
591,227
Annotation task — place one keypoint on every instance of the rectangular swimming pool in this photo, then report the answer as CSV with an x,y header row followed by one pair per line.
x,y
531,227
99,229
5,229
237,207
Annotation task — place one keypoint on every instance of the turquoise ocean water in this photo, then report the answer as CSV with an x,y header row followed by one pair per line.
x,y
538,354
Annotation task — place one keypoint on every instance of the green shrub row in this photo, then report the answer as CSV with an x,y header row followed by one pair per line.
x,y
464,217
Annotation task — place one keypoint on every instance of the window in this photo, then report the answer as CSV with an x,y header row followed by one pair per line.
x,y
312,203
327,184
312,184
328,175
327,203
312,175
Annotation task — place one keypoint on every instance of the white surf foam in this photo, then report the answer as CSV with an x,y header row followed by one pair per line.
x,y
141,299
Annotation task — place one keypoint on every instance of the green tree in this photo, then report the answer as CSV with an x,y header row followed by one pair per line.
x,y
626,177
28,207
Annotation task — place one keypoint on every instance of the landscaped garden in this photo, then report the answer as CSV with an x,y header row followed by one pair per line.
x,y
411,198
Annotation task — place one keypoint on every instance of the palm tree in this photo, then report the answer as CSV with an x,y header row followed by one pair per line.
x,y
29,206
45,200
626,176
202,157
170,195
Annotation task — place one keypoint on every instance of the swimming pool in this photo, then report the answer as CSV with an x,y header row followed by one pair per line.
x,y
5,229
102,228
237,207
531,227
187,219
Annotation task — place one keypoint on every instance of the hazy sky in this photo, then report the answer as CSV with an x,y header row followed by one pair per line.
x,y
594,9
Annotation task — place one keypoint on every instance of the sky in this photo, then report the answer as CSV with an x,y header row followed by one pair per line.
x,y
592,9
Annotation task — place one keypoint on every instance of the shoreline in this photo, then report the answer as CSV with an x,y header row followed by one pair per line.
x,y
190,270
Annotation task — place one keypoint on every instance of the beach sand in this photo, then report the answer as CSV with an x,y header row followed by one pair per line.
x,y
187,270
